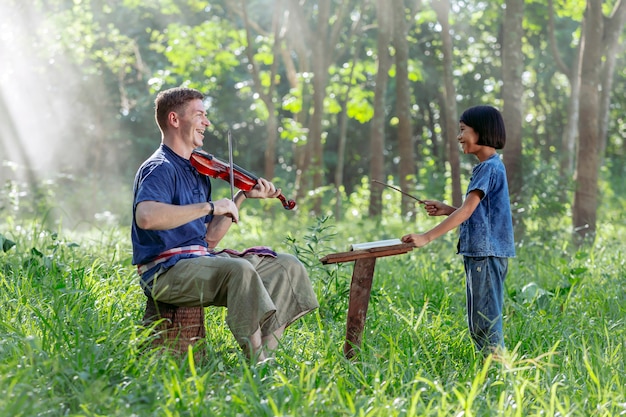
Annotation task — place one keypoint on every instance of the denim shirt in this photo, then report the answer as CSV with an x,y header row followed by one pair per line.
x,y
167,177
489,230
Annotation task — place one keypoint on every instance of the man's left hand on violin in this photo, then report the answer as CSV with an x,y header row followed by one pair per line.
x,y
263,189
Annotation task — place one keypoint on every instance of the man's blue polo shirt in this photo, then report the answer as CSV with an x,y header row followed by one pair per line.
x,y
168,178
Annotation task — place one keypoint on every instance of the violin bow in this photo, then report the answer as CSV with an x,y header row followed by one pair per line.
x,y
399,190
230,163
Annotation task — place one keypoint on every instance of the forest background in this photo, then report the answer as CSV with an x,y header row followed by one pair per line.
x,y
330,94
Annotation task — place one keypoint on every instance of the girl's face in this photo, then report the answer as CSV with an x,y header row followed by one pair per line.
x,y
468,139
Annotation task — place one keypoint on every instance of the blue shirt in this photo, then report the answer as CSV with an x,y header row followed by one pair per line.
x,y
489,230
167,177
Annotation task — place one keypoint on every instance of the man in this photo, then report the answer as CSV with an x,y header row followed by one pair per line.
x,y
176,226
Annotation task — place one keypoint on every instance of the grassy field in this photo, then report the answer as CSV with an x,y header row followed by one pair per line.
x,y
71,340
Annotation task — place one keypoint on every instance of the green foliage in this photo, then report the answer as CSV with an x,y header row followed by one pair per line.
x,y
214,37
6,243
360,106
67,201
71,342
120,53
330,282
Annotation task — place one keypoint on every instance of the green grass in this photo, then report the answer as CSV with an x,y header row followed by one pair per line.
x,y
71,343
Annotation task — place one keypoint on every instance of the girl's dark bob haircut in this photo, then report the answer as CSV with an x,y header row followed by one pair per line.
x,y
487,122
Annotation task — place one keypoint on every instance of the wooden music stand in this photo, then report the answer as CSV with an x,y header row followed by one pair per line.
x,y
361,287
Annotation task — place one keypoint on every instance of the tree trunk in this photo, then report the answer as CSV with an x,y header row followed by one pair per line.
x,y
597,30
343,128
377,138
586,195
267,96
512,94
320,62
403,108
320,79
316,36
341,157
570,133
568,138
613,48
442,7
293,43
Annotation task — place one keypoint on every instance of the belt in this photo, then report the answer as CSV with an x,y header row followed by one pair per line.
x,y
198,250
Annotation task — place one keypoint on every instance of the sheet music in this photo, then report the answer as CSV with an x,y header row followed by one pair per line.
x,y
375,244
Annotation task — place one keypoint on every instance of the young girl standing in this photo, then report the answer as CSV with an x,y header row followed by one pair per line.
x,y
486,227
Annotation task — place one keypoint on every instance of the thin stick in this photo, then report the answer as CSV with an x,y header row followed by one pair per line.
x,y
399,190
230,163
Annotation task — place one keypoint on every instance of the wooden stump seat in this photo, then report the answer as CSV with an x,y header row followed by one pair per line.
x,y
177,328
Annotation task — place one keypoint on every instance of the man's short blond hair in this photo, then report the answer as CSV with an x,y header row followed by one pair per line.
x,y
173,100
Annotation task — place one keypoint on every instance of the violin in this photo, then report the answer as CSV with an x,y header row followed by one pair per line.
x,y
210,166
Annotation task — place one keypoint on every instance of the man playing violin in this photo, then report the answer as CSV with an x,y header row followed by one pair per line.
x,y
177,226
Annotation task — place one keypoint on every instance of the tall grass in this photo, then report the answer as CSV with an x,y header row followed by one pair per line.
x,y
71,343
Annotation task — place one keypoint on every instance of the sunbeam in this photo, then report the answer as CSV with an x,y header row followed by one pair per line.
x,y
47,129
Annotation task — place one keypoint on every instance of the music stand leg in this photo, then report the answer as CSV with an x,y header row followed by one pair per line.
x,y
360,289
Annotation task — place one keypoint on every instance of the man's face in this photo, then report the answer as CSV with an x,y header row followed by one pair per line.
x,y
193,123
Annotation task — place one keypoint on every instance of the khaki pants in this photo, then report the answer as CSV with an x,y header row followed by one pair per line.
x,y
258,291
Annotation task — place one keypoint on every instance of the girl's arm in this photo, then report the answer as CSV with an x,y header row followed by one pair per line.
x,y
457,217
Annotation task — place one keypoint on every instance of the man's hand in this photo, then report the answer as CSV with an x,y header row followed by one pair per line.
x,y
226,207
263,189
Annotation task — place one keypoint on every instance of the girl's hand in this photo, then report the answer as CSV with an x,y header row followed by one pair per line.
x,y
418,240
437,208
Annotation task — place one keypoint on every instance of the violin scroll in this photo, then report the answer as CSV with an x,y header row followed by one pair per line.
x,y
287,204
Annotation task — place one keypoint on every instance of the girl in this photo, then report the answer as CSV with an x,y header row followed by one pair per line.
x,y
486,227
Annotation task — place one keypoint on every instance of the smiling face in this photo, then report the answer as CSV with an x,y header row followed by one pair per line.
x,y
192,123
468,138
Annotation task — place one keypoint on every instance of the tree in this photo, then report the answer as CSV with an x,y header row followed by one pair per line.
x,y
570,131
512,94
403,105
314,37
266,88
377,133
597,28
442,7
343,128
